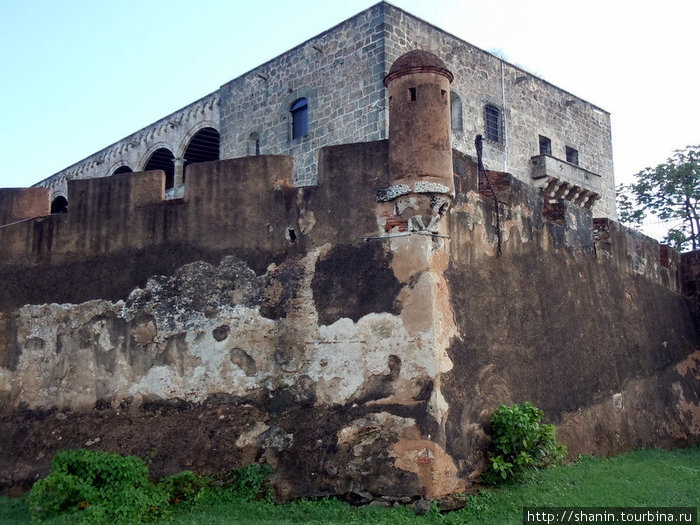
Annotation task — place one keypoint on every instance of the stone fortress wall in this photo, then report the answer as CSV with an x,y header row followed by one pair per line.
x,y
339,72
325,338
355,334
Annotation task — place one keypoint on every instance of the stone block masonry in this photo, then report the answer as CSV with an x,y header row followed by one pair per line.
x,y
339,72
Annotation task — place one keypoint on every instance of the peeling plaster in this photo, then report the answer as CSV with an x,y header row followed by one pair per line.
x,y
436,470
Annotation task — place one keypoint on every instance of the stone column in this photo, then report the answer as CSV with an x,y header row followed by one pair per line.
x,y
179,178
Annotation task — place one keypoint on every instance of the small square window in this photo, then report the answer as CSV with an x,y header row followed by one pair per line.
x,y
493,123
545,145
571,155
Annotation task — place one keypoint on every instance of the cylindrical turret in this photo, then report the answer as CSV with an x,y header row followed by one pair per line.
x,y
420,148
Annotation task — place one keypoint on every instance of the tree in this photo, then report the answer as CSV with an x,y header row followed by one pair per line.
x,y
670,191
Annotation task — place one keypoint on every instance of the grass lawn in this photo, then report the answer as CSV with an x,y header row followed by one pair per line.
x,y
648,478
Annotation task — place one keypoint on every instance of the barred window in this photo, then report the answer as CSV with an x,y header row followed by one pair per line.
x,y
493,123
545,145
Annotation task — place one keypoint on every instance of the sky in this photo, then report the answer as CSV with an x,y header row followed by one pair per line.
x,y
79,75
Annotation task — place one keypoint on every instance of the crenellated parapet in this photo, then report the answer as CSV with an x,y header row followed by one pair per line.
x,y
227,204
633,253
20,204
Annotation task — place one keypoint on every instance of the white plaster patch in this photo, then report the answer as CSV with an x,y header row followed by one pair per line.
x,y
161,381
617,401
438,407
366,347
104,339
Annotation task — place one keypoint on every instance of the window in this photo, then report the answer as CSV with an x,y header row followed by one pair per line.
x,y
456,111
254,144
571,156
545,145
493,123
300,117
412,94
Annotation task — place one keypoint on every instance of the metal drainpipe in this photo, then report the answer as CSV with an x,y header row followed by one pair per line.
x,y
505,121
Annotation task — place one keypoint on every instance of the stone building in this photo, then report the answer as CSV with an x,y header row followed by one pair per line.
x,y
328,90
355,334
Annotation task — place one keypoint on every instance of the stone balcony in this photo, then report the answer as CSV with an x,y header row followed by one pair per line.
x,y
560,179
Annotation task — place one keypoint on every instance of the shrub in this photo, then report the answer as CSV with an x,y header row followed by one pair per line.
x,y
184,488
98,487
520,443
249,483
87,486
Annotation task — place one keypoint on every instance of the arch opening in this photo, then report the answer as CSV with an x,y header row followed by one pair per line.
x,y
254,144
59,205
203,147
162,159
122,169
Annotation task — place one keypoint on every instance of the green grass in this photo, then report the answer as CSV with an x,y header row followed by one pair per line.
x,y
640,478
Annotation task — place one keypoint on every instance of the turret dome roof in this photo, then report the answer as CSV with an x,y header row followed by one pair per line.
x,y
417,61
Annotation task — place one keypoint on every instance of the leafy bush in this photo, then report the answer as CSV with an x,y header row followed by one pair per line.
x,y
520,443
185,488
250,482
88,486
98,487
245,484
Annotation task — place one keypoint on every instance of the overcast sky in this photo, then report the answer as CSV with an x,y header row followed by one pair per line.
x,y
78,75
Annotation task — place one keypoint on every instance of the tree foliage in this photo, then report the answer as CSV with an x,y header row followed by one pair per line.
x,y
671,192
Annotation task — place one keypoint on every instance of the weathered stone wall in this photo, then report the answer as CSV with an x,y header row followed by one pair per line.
x,y
586,329
119,230
690,276
352,356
